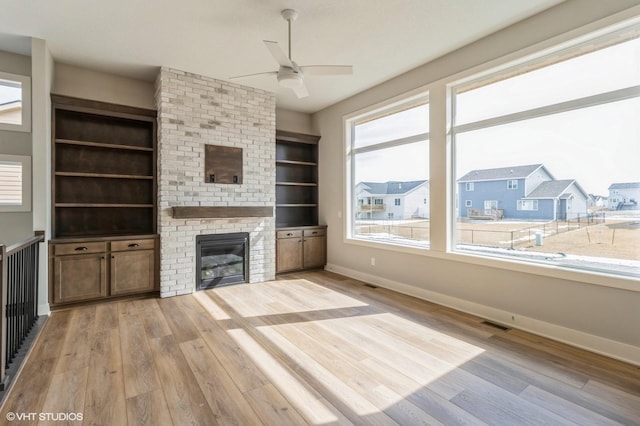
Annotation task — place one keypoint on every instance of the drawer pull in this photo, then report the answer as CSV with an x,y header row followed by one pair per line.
x,y
314,232
289,234
83,248
134,245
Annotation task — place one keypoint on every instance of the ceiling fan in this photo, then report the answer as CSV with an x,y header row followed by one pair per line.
x,y
290,74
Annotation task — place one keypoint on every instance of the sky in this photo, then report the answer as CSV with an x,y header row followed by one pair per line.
x,y
596,146
8,92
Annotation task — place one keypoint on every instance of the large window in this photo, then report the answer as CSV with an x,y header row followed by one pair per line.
x,y
15,102
388,157
567,127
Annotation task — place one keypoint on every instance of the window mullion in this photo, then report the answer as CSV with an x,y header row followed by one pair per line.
x,y
393,143
589,101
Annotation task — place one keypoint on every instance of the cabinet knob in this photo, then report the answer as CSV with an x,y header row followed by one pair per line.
x,y
83,248
134,245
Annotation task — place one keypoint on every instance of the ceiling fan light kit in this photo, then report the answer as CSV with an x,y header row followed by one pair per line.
x,y
290,75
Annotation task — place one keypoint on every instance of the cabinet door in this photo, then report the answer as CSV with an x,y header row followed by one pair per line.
x,y
132,272
80,277
288,254
315,252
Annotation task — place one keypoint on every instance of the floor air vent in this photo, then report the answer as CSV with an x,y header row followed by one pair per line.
x,y
494,325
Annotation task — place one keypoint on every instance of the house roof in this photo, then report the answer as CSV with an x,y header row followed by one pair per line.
x,y
513,172
552,189
627,185
391,187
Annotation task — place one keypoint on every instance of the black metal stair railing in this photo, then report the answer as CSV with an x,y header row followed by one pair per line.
x,y
19,264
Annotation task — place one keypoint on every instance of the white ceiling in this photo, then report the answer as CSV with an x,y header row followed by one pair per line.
x,y
223,38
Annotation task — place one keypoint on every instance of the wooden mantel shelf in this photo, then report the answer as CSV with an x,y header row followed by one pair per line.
x,y
198,212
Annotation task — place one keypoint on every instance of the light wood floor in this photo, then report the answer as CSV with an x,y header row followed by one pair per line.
x,y
313,348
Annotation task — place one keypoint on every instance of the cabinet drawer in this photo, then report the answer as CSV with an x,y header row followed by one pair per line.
x,y
294,233
79,248
315,232
146,244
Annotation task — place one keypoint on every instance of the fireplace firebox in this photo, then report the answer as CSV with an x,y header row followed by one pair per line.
x,y
222,259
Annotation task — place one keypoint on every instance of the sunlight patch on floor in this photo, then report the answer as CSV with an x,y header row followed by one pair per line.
x,y
305,401
375,356
282,297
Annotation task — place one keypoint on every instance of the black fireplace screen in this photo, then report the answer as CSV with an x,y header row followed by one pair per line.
x,y
222,259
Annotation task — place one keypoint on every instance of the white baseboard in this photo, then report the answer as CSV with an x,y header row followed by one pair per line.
x,y
600,345
44,309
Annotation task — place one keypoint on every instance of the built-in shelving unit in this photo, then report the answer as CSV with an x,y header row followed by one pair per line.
x,y
300,242
104,241
296,179
104,179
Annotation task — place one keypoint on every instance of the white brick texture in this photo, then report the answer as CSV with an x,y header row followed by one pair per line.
x,y
194,111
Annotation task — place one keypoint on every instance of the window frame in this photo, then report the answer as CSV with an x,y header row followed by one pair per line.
x,y
442,173
25,83
512,184
523,202
594,34
25,162
407,100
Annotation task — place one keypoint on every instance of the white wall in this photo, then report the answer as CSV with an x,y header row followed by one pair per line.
x,y
558,305
99,86
15,226
41,81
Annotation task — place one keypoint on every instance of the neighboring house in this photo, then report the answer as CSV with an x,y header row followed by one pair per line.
x,y
624,196
597,201
521,192
11,112
393,200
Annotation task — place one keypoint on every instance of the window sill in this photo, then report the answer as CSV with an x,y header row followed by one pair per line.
x,y
547,270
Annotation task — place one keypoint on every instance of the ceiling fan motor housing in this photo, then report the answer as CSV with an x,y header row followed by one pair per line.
x,y
289,78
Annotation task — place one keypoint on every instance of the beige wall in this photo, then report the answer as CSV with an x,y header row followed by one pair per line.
x,y
15,226
84,83
293,121
601,318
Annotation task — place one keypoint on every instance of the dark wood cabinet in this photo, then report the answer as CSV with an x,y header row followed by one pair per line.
x,y
314,247
103,200
301,248
132,267
79,277
289,255
84,270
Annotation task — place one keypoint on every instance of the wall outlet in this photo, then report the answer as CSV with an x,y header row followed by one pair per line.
x,y
373,261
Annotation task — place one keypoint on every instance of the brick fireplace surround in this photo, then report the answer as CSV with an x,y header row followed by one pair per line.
x,y
194,111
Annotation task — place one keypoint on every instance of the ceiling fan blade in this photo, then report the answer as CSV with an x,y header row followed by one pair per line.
x,y
327,69
251,75
277,53
301,91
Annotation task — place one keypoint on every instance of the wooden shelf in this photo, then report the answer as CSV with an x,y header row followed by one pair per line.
x,y
296,183
100,205
103,145
204,212
102,175
296,163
